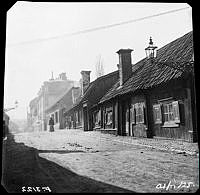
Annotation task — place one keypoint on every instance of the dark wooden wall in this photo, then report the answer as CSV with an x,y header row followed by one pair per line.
x,y
178,90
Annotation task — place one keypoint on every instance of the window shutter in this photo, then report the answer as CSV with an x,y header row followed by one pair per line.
x,y
157,113
145,116
99,116
142,109
136,114
132,114
111,118
106,117
93,118
127,115
175,106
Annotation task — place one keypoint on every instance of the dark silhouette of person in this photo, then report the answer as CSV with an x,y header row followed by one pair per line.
x,y
51,124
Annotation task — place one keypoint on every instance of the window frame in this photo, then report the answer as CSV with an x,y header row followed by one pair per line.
x,y
139,113
173,114
109,117
97,118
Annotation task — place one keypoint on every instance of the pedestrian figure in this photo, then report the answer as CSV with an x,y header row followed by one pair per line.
x,y
51,124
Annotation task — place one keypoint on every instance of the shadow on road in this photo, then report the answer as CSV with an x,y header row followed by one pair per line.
x,y
23,167
59,151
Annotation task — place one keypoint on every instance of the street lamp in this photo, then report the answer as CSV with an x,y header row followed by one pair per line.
x,y
151,50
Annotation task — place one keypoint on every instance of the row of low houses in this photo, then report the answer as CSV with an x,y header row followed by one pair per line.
x,y
153,98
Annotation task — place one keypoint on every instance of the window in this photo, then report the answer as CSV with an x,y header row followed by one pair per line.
x,y
157,113
97,118
109,117
139,113
168,113
78,117
171,112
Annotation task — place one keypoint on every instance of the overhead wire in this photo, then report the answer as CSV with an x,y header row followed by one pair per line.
x,y
95,29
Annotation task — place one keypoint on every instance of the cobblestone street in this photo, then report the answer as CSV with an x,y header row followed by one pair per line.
x,y
135,165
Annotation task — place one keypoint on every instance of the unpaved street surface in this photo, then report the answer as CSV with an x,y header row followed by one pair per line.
x,y
77,161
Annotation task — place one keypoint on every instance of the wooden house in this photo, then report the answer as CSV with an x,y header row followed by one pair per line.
x,y
154,97
83,113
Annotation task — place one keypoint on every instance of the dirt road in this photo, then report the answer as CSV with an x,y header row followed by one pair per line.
x,y
77,161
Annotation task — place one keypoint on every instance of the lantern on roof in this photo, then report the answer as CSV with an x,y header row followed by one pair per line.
x,y
151,50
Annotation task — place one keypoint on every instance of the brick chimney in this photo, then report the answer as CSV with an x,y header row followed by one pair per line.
x,y
85,81
125,65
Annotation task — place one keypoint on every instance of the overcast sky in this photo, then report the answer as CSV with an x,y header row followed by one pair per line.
x,y
30,59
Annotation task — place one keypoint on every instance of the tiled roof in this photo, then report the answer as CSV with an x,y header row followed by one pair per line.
x,y
150,74
93,93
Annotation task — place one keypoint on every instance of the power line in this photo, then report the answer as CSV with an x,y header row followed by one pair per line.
x,y
97,28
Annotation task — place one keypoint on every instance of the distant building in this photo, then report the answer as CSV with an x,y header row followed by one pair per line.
x,y
56,111
49,92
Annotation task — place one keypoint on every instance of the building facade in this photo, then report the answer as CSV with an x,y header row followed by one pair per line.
x,y
81,114
56,111
49,92
157,99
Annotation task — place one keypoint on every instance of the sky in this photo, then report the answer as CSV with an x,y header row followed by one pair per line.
x,y
38,41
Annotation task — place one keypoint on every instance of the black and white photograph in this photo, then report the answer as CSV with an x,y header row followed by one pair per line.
x,y
100,97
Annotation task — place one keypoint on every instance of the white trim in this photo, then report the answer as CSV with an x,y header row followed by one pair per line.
x,y
170,124
166,99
